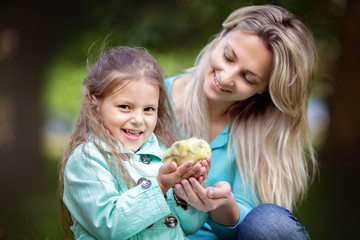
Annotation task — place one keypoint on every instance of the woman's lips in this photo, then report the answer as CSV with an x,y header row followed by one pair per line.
x,y
217,85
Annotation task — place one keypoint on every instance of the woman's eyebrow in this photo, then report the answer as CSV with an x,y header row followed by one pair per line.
x,y
229,48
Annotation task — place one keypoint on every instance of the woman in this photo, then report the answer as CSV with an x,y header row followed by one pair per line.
x,y
248,95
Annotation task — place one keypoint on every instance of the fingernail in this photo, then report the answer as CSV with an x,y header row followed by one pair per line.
x,y
211,193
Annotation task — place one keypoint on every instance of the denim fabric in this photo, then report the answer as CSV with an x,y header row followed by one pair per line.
x,y
269,221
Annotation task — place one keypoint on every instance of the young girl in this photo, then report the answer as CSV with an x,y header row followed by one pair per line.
x,y
112,182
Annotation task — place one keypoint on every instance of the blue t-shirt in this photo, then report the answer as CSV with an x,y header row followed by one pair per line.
x,y
223,168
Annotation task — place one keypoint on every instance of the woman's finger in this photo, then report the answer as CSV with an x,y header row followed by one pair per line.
x,y
180,192
199,190
219,190
193,198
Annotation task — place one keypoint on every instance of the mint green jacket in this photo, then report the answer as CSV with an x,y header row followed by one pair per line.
x,y
102,207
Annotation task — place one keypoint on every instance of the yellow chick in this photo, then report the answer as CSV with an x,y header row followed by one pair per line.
x,y
192,149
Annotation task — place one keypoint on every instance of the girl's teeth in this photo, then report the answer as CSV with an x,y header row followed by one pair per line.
x,y
132,132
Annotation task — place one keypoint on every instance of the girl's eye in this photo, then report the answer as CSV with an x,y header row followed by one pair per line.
x,y
149,109
124,107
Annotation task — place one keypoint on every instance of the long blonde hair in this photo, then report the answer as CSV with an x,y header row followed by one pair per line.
x,y
114,67
269,132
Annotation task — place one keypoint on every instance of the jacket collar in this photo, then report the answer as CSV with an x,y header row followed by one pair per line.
x,y
150,147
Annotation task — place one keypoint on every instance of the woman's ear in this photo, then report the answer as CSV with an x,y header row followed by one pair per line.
x,y
222,34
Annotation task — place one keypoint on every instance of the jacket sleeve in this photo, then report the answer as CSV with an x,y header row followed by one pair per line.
x,y
191,220
105,208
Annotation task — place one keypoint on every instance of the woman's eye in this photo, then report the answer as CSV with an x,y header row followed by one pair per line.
x,y
248,79
227,57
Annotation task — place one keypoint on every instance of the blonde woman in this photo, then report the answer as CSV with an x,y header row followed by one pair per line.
x,y
248,95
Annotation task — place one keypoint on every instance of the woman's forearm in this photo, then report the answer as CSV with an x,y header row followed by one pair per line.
x,y
227,214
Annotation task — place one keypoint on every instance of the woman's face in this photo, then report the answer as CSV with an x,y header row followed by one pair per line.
x,y
240,66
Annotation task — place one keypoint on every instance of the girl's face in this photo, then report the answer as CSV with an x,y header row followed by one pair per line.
x,y
240,67
130,112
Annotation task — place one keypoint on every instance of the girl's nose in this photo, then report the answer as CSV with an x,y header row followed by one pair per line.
x,y
137,119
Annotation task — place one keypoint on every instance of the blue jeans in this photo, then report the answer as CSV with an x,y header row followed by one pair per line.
x,y
269,221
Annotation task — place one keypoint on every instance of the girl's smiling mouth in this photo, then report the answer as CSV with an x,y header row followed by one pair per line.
x,y
132,135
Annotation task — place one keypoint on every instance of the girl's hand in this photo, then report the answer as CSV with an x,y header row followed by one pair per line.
x,y
206,163
218,200
170,174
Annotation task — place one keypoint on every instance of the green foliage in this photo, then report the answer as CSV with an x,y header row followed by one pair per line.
x,y
63,90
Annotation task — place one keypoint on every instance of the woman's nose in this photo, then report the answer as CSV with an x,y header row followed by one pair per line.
x,y
227,77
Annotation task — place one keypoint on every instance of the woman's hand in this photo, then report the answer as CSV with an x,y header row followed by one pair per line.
x,y
218,200
170,174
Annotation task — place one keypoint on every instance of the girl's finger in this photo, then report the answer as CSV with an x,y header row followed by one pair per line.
x,y
168,168
208,160
192,171
199,172
182,169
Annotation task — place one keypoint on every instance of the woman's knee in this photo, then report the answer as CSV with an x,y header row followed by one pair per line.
x,y
269,221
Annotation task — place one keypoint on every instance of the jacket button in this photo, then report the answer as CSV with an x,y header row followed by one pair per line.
x,y
145,183
171,222
145,159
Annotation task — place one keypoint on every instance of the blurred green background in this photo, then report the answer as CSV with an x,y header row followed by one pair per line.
x,y
44,47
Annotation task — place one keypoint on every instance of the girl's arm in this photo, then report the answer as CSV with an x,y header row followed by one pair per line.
x,y
105,207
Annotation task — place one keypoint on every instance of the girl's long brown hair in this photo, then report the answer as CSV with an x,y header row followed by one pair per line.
x,y
114,67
